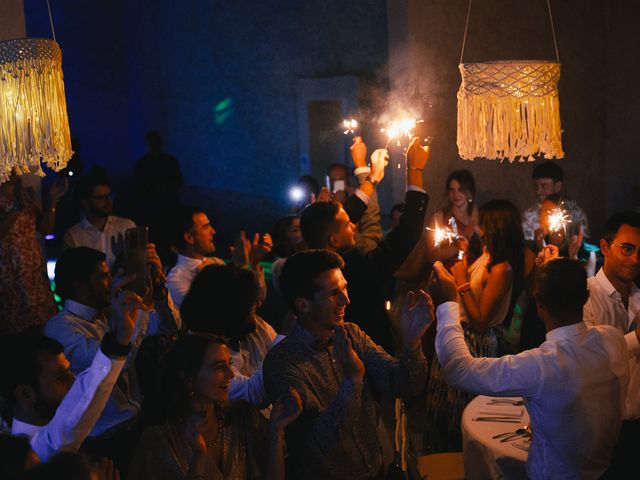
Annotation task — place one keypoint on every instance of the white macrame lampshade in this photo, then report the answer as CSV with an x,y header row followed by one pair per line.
x,y
33,111
509,110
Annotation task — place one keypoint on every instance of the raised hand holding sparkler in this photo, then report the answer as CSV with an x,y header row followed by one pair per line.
x,y
417,158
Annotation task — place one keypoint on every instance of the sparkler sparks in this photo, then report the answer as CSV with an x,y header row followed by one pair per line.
x,y
349,125
400,128
558,219
445,234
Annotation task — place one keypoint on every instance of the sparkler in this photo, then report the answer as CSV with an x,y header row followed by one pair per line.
x,y
349,125
558,219
399,128
447,234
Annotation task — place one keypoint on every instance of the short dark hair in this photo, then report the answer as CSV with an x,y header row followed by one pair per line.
x,y
616,220
182,223
279,234
221,301
560,286
180,366
317,222
549,169
75,265
19,364
67,465
95,177
300,271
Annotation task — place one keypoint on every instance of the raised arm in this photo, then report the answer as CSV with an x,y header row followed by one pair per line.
x,y
482,311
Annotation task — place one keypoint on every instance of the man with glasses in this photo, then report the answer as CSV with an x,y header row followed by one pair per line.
x,y
615,300
98,229
548,179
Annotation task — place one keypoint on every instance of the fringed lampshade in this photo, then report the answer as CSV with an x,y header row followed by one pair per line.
x,y
509,110
33,111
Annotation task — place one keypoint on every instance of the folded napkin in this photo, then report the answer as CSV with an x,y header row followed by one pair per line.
x,y
502,410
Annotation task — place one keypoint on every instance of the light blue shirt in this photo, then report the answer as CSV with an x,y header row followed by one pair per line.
x,y
80,329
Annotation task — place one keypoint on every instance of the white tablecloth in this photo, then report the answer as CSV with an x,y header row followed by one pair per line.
x,y
486,457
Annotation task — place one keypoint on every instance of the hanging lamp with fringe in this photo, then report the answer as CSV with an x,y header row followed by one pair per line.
x,y
34,126
509,110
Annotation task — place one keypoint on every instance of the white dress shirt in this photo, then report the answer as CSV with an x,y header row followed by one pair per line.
x,y
85,234
180,277
573,385
80,329
605,307
247,383
78,412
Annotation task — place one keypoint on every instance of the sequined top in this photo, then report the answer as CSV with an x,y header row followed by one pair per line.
x,y
335,436
164,453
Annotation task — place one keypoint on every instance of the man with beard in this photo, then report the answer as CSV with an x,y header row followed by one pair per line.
x,y
222,300
83,281
193,238
98,229
45,401
615,300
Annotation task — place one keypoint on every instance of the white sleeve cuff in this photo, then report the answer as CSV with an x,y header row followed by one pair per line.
x,y
362,196
415,189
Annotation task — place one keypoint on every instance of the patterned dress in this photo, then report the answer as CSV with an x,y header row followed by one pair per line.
x,y
26,299
444,403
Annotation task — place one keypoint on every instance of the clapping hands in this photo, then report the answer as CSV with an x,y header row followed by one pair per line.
x,y
416,317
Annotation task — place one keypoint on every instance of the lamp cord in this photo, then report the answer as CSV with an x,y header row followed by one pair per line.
x,y
553,31
53,32
466,27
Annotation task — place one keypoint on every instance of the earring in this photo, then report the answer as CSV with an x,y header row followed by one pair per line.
x,y
191,393
470,200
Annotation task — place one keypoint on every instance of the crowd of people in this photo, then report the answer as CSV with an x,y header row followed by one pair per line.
x,y
193,378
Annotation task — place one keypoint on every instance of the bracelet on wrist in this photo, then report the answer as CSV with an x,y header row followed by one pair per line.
x,y
415,168
464,288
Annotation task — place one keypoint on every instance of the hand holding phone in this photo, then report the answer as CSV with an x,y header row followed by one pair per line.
x,y
135,258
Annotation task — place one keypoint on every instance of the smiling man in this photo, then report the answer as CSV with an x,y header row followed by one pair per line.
x,y
548,179
615,300
338,371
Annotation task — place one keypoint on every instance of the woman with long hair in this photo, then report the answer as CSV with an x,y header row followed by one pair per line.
x,y
488,289
204,436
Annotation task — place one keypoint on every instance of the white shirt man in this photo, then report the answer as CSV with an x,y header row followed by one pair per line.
x,y
55,409
615,300
194,241
98,229
87,318
574,384
77,413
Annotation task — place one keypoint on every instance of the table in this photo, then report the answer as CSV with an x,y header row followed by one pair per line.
x,y
485,457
